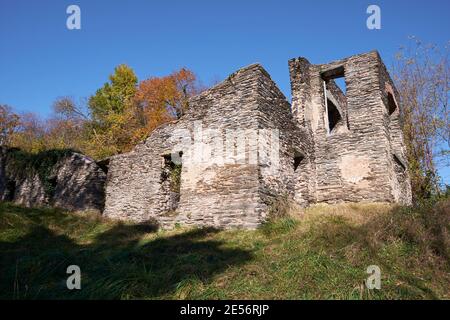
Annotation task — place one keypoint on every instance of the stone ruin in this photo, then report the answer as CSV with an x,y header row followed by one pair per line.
x,y
74,182
242,145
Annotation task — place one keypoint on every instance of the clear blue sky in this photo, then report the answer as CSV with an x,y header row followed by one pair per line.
x,y
40,59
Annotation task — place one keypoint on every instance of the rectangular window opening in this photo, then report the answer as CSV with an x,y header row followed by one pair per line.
x,y
171,178
335,88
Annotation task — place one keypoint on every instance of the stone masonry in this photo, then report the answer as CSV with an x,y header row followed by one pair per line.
x,y
235,193
361,158
75,182
331,146
241,146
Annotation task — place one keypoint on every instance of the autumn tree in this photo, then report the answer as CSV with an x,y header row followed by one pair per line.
x,y
118,116
9,123
123,113
161,99
110,112
422,75
66,127
30,134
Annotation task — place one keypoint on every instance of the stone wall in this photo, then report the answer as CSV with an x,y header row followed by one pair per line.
x,y
399,177
240,146
231,191
135,189
79,184
355,163
75,182
292,180
333,146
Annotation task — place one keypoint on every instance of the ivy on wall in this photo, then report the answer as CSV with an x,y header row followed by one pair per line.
x,y
22,165
175,178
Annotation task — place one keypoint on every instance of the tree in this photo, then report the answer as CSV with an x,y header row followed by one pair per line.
x,y
64,129
124,114
66,108
162,99
110,113
118,116
30,134
9,123
422,75
115,96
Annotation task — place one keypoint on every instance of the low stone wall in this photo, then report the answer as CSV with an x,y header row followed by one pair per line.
x,y
74,181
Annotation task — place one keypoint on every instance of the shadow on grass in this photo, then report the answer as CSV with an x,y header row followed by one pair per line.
x,y
115,265
322,256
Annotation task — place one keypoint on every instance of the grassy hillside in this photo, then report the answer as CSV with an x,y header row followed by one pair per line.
x,y
321,253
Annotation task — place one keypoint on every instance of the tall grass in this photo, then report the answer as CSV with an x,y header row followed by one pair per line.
x,y
318,253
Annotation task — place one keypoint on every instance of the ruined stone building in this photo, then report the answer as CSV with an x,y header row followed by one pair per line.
x,y
241,145
64,179
333,147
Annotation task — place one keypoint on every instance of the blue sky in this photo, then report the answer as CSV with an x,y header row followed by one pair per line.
x,y
40,59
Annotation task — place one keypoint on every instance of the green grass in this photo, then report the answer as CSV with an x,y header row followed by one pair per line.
x,y
319,253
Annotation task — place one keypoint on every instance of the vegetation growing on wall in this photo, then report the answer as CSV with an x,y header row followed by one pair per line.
x,y
175,178
22,164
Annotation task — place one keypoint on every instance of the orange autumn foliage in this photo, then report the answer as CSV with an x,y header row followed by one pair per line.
x,y
117,117
159,100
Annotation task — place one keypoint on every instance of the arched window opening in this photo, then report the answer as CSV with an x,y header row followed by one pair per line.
x,y
392,105
334,116
298,159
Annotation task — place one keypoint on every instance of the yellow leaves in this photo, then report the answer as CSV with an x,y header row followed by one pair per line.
x,y
122,114
9,121
120,124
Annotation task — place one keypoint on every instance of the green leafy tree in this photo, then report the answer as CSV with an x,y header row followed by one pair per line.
x,y
115,96
110,112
